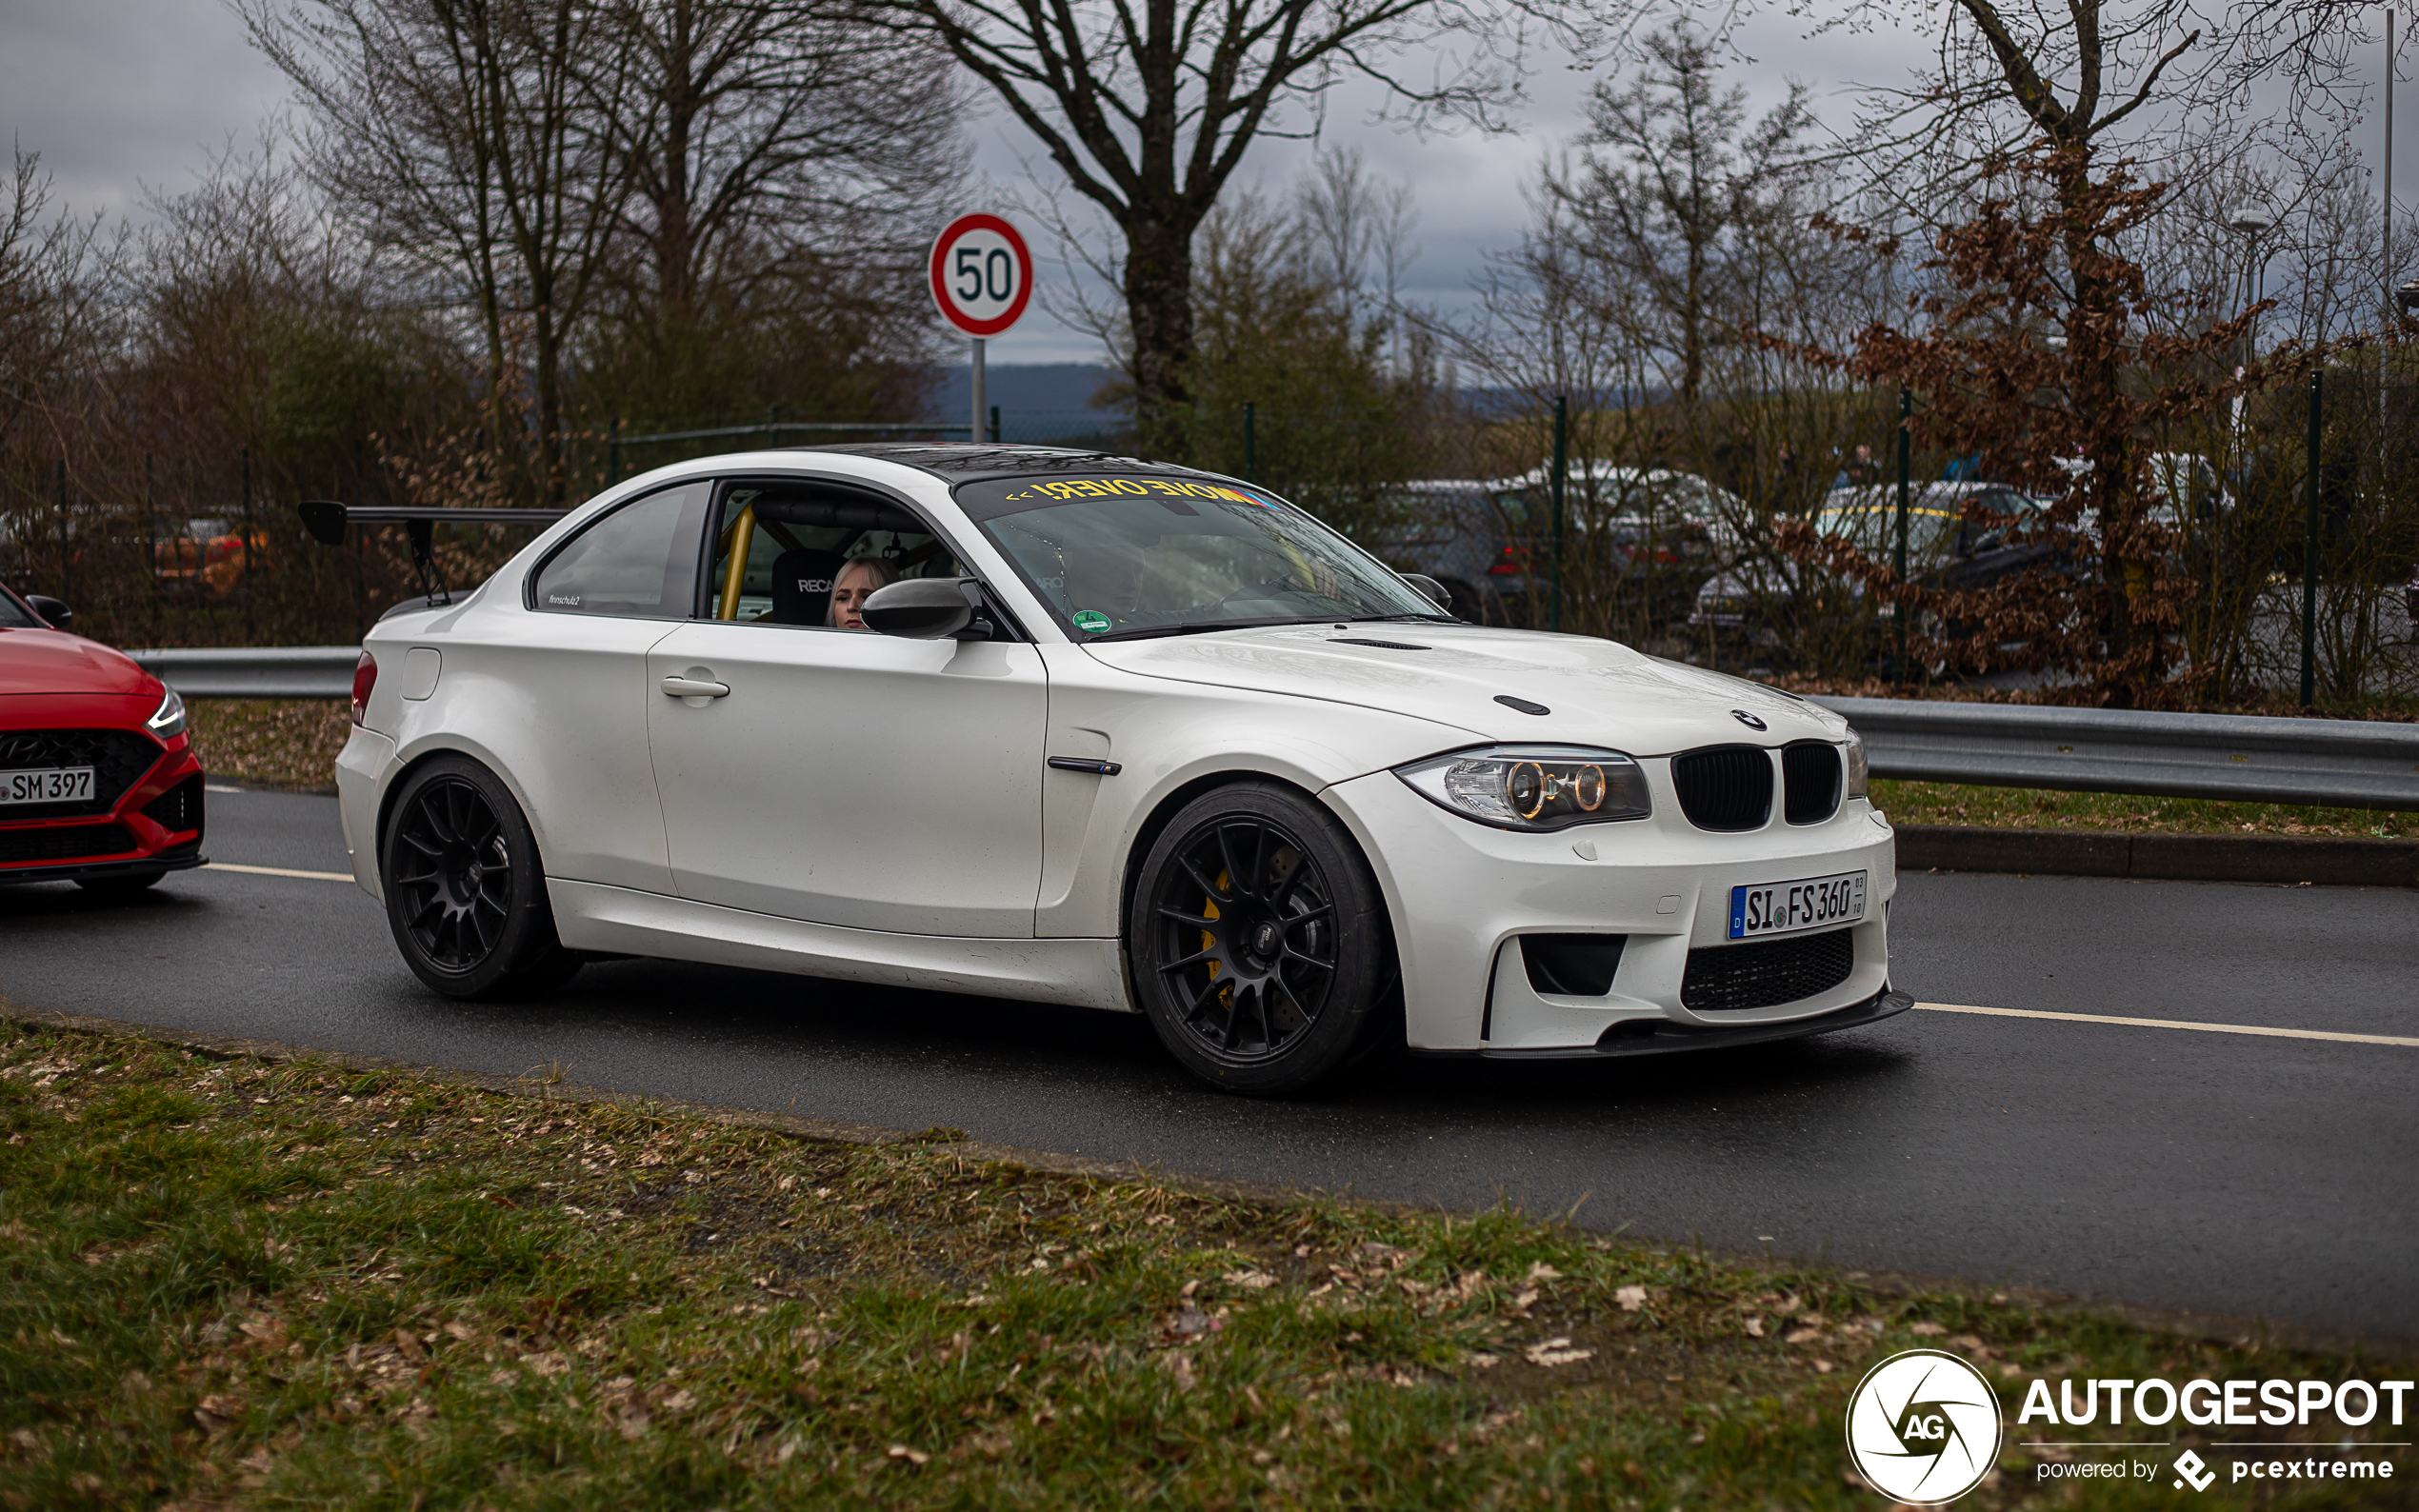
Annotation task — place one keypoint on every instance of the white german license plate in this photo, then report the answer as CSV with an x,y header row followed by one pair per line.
x,y
1784,907
59,785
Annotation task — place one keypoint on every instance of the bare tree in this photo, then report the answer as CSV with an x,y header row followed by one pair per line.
x,y
465,133
1148,110
773,120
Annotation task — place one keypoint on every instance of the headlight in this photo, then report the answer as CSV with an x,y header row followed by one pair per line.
x,y
168,720
1533,788
1856,774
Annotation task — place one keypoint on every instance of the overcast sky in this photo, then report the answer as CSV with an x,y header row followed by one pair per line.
x,y
118,96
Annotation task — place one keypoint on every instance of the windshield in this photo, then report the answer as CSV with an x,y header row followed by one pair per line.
x,y
1120,557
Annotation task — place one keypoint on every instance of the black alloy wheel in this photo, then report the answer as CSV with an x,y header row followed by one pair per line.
x,y
466,896
1258,945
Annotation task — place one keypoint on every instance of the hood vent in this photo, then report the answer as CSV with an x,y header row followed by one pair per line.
x,y
1725,788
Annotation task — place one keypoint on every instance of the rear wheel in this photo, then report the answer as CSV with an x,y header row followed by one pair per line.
x,y
1257,940
466,895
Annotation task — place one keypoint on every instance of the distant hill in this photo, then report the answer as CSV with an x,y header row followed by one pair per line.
x,y
1036,400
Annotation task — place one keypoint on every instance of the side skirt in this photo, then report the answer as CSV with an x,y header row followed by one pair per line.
x,y
623,920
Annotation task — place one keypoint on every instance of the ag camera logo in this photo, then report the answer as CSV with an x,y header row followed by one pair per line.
x,y
1924,1427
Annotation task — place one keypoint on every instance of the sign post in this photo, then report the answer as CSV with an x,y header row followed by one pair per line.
x,y
982,279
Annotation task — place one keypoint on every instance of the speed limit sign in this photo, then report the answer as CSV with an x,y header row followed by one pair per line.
x,y
982,275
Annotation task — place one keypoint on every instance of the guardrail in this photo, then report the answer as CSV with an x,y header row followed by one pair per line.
x,y
2351,764
274,672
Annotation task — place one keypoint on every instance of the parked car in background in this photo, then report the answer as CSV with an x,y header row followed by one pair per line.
x,y
1486,541
98,783
1453,531
1757,601
205,555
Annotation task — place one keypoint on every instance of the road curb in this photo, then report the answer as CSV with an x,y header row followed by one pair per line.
x,y
2180,1323
2321,860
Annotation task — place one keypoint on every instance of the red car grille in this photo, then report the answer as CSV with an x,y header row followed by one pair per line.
x,y
118,758
64,842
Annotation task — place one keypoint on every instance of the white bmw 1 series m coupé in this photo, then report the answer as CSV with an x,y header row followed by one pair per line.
x,y
1070,727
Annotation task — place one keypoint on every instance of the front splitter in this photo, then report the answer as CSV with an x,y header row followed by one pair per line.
x,y
1662,1036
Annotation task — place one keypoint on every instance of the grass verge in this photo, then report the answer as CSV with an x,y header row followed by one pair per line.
x,y
233,1283
287,743
2036,808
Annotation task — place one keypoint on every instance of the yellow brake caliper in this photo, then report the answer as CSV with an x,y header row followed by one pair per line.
x,y
1210,910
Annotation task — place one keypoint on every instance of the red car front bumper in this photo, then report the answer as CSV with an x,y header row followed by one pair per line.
x,y
145,815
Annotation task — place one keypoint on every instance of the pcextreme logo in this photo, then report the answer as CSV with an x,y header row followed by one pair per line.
x,y
1924,1427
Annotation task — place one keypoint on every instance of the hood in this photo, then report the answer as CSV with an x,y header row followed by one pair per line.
x,y
56,662
1598,692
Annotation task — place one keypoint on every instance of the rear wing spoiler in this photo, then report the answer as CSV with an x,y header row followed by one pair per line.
x,y
327,520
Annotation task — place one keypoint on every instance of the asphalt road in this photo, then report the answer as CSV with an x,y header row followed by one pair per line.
x,y
2218,1173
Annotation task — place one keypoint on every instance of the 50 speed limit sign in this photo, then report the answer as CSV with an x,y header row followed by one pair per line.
x,y
982,274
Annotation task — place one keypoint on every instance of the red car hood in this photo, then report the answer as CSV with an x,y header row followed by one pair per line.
x,y
55,662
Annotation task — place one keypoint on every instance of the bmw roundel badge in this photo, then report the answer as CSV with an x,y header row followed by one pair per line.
x,y
1747,719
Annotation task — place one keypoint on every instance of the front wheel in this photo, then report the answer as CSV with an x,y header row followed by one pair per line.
x,y
466,895
1258,943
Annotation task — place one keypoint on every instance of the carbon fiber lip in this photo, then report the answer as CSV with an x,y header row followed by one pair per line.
x,y
1663,1037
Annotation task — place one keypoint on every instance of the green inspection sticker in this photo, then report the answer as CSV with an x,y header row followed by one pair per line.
x,y
1091,620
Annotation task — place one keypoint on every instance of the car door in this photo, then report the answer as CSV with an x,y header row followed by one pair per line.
x,y
561,701
842,776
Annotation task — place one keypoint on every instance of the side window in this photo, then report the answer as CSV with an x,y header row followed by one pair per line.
x,y
639,561
767,571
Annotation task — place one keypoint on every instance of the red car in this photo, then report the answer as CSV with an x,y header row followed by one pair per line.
x,y
98,783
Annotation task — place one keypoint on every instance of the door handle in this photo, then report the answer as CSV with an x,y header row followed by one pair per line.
x,y
693,688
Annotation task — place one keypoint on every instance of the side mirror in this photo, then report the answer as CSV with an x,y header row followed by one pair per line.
x,y
1435,590
922,608
52,609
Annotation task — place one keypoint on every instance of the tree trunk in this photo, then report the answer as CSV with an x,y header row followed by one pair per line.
x,y
675,235
1159,311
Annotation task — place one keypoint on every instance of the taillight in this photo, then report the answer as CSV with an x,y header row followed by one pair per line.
x,y
365,677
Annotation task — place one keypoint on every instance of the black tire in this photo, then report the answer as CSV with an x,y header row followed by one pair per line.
x,y
1257,942
466,892
130,884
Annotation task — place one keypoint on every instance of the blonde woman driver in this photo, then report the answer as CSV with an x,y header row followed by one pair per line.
x,y
852,584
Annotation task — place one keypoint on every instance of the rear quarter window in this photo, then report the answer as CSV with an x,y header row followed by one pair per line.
x,y
638,561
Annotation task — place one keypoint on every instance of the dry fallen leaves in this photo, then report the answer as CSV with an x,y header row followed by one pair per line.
x,y
1551,1352
1630,1298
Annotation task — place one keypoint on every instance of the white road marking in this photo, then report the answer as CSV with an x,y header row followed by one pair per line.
x,y
2176,1024
277,871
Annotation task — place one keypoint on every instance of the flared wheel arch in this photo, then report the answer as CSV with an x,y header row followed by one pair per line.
x,y
401,779
1165,810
